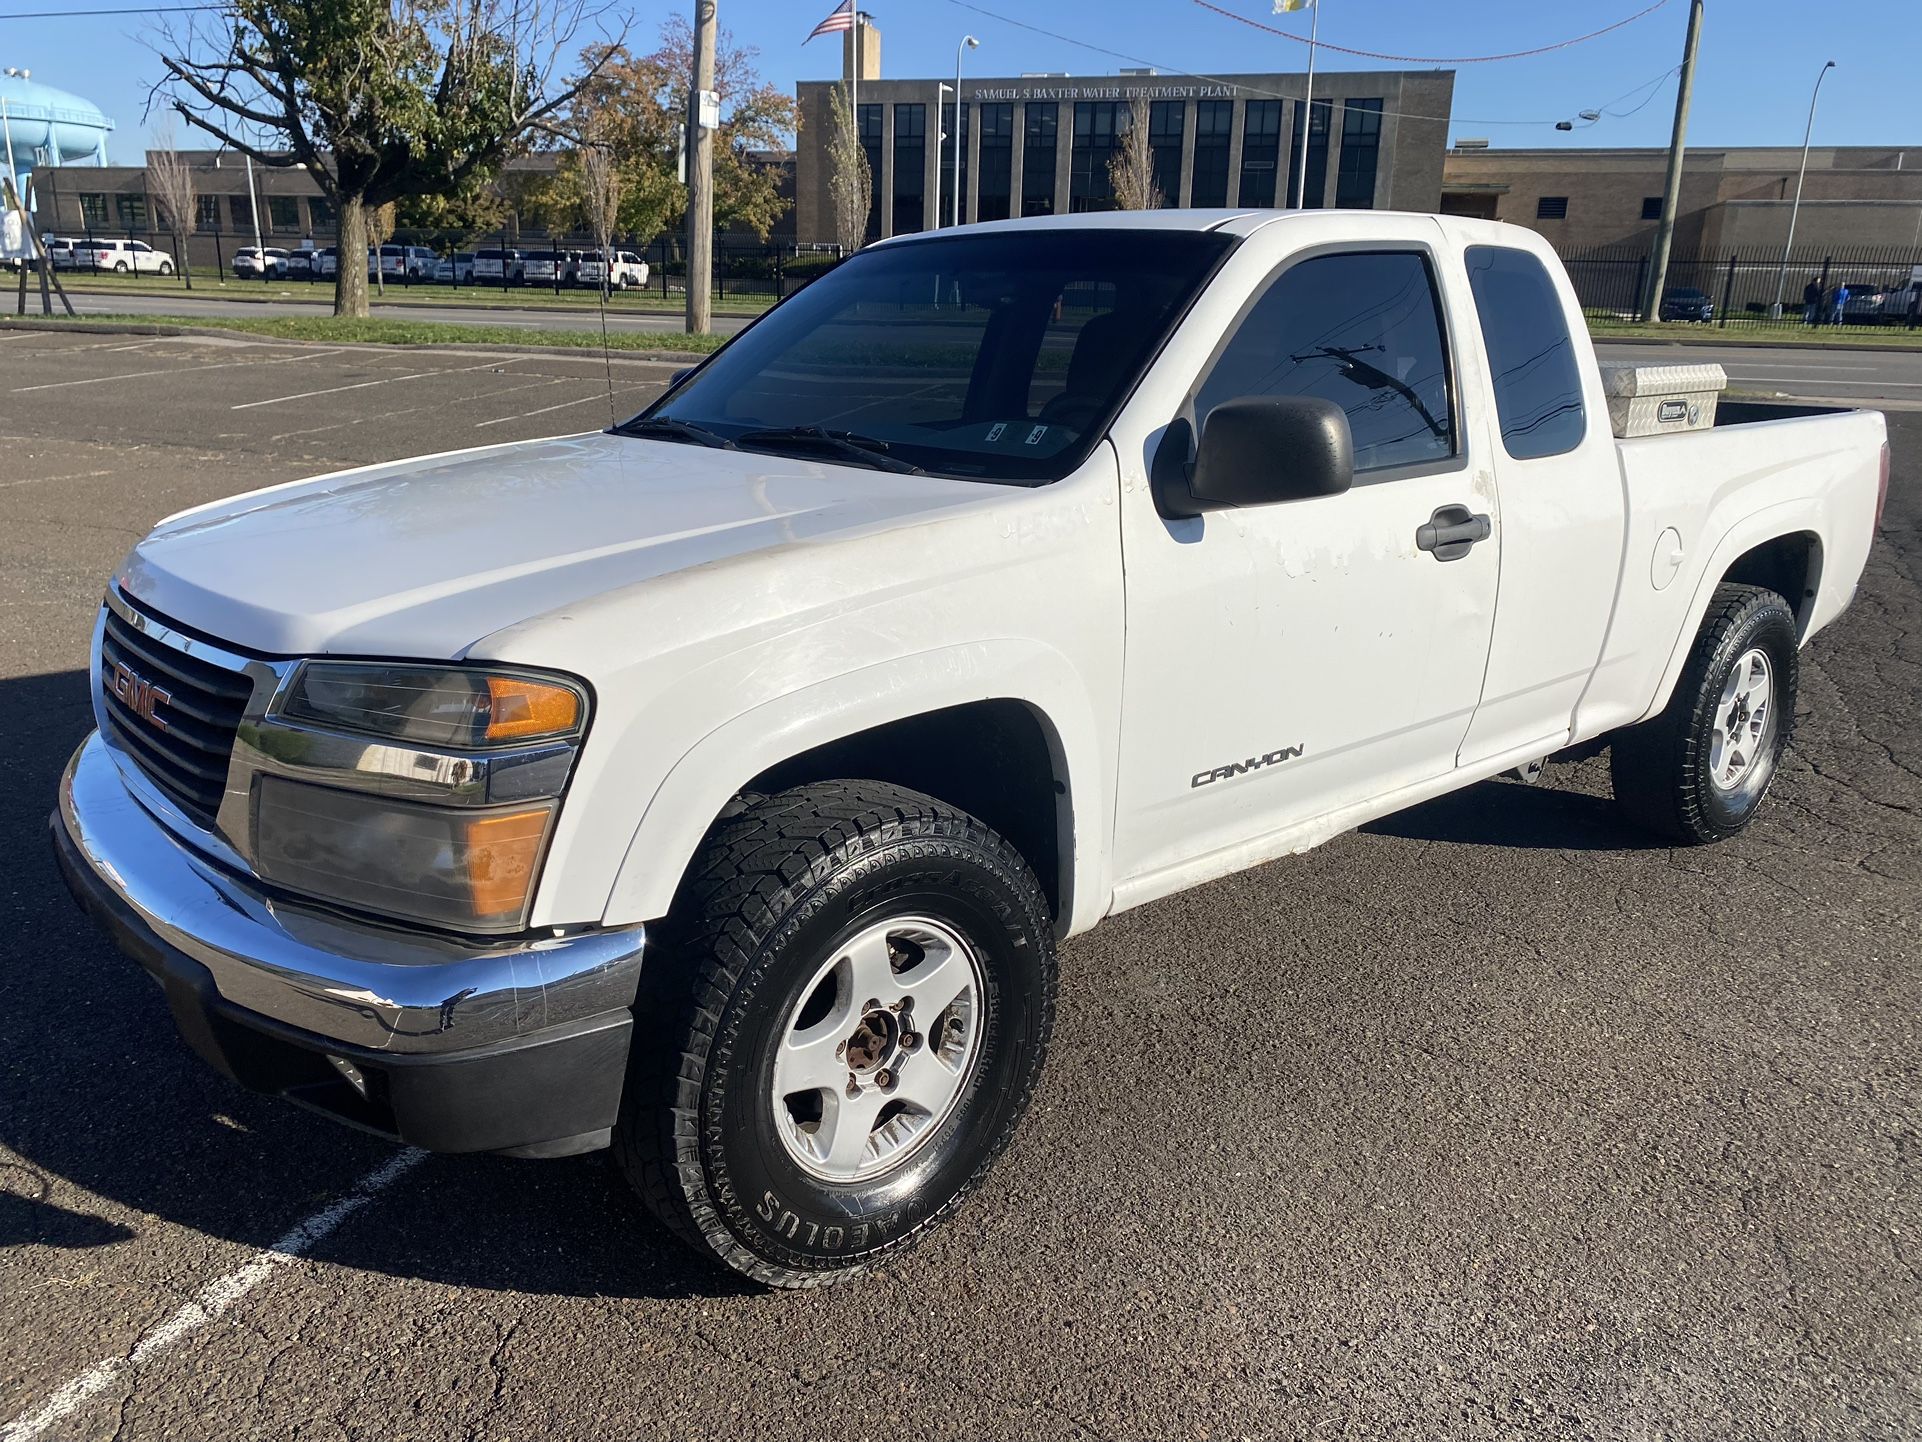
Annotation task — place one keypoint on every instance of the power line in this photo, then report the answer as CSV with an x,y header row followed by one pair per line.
x,y
1431,59
131,10
1243,86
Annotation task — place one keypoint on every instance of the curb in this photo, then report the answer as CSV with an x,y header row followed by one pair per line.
x,y
62,325
1819,347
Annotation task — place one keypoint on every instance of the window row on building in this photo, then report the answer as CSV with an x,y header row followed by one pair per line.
x,y
1555,207
226,214
1207,173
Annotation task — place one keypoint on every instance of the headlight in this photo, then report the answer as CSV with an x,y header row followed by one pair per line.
x,y
447,866
433,705
415,791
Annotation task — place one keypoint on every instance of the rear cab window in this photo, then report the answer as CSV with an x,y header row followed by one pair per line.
x,y
1531,356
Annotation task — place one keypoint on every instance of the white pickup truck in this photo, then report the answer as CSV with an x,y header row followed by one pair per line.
x,y
717,787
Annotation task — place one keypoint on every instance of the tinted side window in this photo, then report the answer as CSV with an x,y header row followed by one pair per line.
x,y
1360,330
1531,357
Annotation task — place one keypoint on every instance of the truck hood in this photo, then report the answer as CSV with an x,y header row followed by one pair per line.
x,y
424,558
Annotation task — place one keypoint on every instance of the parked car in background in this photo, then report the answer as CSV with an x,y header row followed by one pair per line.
x,y
499,265
546,267
59,250
326,262
455,269
300,263
1866,303
410,262
255,262
122,257
1685,304
619,269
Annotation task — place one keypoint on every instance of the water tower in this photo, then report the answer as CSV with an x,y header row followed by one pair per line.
x,y
44,126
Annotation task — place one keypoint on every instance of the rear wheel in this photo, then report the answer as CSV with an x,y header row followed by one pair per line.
x,y
853,1021
120,267
1698,772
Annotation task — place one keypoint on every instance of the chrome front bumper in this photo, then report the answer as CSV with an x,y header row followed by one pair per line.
x,y
370,988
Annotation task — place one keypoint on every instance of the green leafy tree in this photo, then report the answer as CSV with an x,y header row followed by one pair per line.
x,y
378,99
635,106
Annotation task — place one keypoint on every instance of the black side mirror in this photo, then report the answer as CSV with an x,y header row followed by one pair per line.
x,y
680,375
1256,451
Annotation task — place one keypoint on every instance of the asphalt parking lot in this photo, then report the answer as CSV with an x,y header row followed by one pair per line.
x,y
1492,1121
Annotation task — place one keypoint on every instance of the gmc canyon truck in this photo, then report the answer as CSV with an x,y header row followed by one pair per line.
x,y
716,788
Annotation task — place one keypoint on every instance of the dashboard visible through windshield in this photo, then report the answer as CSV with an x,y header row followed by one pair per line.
x,y
997,357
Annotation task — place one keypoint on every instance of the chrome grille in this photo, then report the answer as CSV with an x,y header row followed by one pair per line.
x,y
187,753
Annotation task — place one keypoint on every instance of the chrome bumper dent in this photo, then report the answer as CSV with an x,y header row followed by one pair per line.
x,y
362,985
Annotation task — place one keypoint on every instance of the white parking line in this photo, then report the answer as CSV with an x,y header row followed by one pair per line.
x,y
211,1300
173,371
523,415
383,381
432,405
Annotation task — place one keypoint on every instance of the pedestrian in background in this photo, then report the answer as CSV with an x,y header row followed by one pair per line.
x,y
1812,302
1841,300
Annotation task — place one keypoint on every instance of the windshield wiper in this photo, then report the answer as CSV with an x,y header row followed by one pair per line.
x,y
668,429
862,450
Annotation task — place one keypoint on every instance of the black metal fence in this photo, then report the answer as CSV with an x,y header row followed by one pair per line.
x,y
1757,287
745,271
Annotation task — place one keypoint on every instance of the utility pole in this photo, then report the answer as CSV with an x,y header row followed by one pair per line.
x,y
1808,133
1672,188
703,114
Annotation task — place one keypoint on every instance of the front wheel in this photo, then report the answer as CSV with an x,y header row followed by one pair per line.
x,y
166,267
1698,772
852,1021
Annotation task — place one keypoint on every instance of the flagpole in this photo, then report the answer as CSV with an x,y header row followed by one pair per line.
x,y
1308,107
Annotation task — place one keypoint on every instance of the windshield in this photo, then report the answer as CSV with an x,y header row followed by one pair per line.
x,y
997,357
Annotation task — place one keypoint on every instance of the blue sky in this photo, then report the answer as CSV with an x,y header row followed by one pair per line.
x,y
1759,57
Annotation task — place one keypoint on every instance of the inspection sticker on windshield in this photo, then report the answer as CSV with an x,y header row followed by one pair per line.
x,y
1035,435
994,431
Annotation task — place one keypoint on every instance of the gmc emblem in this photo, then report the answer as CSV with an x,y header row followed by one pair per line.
x,y
140,695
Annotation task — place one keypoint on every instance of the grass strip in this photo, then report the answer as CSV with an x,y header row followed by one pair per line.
x,y
381,330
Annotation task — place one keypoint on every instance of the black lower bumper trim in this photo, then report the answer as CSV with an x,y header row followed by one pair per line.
x,y
551,1093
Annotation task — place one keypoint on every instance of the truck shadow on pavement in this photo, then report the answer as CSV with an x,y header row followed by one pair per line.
x,y
117,1129
1509,814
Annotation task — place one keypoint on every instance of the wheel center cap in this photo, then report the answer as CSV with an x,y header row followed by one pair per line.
x,y
873,1041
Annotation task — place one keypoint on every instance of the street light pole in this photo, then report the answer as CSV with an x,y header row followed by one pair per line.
x,y
940,89
968,42
1672,189
1782,275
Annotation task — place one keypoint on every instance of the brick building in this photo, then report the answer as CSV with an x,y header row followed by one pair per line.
x,y
1040,144
1855,197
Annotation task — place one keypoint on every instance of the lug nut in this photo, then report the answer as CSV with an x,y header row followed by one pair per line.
x,y
910,1040
884,1078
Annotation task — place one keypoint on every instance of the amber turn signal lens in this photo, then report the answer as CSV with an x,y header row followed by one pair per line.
x,y
502,851
520,708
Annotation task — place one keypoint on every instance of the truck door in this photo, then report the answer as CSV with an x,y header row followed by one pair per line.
x,y
1286,661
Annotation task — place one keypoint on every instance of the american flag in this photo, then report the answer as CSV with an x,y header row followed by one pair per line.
x,y
842,18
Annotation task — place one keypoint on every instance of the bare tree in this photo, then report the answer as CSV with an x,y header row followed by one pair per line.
x,y
1131,169
171,184
378,99
601,184
850,184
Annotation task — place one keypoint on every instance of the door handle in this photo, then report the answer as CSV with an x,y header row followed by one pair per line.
x,y
1452,532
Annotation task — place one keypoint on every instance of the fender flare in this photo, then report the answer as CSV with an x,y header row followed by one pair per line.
x,y
699,785
1786,518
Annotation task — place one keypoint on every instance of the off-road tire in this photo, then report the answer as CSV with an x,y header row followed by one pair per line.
x,y
1661,768
778,884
